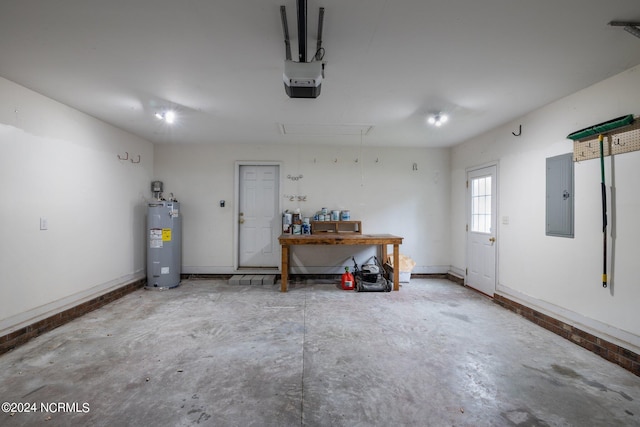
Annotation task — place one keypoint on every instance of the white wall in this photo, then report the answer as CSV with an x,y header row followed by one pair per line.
x,y
562,276
388,196
61,164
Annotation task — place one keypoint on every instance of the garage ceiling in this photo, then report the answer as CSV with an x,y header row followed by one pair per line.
x,y
389,64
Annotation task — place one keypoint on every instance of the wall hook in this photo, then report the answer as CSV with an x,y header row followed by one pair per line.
x,y
126,156
132,161
519,132
617,142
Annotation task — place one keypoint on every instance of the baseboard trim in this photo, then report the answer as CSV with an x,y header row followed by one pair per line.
x,y
297,276
612,352
25,333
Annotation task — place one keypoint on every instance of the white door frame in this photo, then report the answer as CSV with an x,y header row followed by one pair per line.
x,y
468,170
236,205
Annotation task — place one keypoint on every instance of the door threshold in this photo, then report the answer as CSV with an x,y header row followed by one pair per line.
x,y
479,291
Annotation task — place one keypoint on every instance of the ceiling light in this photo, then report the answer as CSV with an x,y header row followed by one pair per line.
x,y
438,119
167,116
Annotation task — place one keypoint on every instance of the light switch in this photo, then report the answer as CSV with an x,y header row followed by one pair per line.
x,y
44,223
505,220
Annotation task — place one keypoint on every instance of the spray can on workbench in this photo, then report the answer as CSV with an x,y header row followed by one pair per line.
x,y
348,282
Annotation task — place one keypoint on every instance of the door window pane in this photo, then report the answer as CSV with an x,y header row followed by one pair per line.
x,y
481,205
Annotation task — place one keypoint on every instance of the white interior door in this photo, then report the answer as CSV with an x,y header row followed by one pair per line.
x,y
482,227
259,221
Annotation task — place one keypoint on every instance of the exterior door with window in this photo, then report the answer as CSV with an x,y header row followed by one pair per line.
x,y
482,227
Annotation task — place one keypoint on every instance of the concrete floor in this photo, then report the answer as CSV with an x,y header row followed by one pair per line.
x,y
208,353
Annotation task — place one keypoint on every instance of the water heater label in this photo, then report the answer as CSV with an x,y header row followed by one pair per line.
x,y
155,238
164,270
166,234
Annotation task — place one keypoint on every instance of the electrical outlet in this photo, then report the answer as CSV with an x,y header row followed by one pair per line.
x,y
44,223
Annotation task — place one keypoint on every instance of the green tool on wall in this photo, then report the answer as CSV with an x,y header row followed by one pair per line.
x,y
601,129
603,189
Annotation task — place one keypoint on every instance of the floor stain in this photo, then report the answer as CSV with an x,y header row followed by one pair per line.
x,y
568,372
33,391
523,418
462,317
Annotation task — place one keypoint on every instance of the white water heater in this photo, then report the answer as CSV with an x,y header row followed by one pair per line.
x,y
164,244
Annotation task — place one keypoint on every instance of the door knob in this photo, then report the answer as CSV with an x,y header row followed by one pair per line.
x,y
241,220
492,240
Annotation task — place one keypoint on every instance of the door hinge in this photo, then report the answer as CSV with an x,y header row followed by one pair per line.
x,y
466,227
467,183
466,271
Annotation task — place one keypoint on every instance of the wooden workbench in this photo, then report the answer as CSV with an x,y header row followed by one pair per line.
x,y
381,240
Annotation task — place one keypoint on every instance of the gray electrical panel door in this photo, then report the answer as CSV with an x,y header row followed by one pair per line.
x,y
560,197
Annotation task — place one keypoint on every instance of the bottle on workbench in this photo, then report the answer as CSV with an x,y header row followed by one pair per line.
x,y
348,283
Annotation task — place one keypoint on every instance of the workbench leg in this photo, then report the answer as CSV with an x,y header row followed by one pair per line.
x,y
284,268
396,267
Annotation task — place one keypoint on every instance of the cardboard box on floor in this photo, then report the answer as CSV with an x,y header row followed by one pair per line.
x,y
406,266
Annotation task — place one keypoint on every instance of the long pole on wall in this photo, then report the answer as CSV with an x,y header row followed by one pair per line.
x,y
603,189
